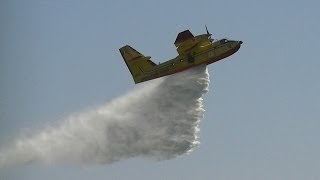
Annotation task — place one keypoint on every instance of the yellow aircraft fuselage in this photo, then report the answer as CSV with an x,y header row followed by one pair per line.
x,y
193,51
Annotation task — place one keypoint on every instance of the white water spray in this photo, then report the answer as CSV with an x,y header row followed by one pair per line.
x,y
159,120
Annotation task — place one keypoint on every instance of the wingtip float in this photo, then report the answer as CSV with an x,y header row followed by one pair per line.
x,y
192,51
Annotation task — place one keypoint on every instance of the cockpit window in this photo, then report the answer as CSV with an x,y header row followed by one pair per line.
x,y
223,40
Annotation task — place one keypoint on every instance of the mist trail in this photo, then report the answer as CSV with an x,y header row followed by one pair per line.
x,y
159,120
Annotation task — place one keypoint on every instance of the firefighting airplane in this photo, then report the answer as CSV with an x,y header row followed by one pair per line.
x,y
192,50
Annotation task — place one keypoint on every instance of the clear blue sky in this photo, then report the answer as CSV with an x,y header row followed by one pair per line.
x,y
262,115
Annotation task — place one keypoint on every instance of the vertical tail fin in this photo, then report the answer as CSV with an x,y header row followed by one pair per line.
x,y
137,63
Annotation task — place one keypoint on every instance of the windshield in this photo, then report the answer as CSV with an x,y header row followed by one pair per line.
x,y
223,40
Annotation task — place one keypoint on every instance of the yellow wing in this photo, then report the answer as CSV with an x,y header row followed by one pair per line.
x,y
185,42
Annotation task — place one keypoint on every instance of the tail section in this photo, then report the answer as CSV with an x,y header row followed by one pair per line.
x,y
137,63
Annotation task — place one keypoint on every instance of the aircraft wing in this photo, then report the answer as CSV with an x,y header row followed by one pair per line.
x,y
185,41
183,37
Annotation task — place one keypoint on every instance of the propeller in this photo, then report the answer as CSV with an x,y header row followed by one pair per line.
x,y
207,30
209,34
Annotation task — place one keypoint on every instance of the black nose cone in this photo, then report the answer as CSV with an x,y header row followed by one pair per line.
x,y
240,42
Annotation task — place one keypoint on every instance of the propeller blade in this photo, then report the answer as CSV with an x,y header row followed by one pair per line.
x,y
207,29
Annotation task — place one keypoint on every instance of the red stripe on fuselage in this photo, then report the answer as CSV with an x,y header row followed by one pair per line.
x,y
224,55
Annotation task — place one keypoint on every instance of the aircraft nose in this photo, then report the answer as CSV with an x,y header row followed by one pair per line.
x,y
240,42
